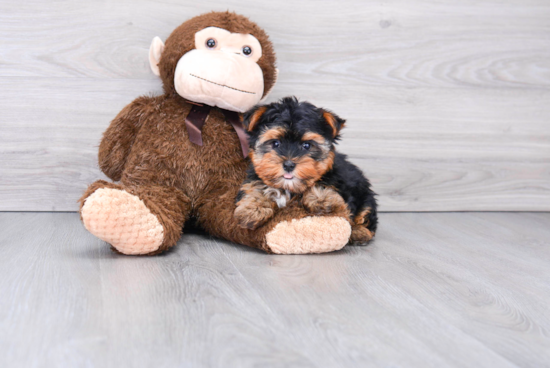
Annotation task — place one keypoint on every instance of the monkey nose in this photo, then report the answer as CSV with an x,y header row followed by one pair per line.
x,y
288,165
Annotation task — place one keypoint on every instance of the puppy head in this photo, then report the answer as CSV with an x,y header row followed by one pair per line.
x,y
292,143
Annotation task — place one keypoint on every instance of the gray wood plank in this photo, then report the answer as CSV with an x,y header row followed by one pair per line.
x,y
454,159
400,43
433,290
446,102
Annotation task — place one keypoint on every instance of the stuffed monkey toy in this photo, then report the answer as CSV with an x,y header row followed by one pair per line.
x,y
181,156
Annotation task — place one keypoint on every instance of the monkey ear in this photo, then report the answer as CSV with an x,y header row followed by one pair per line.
x,y
252,117
273,85
155,50
336,123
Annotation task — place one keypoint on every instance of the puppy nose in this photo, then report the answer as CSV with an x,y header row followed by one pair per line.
x,y
289,165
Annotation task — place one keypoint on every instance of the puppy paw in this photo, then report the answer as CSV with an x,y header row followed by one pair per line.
x,y
319,201
250,215
360,231
360,235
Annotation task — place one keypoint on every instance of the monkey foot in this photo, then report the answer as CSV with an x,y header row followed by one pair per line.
x,y
122,220
309,235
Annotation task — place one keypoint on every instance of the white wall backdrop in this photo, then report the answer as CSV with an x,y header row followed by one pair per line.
x,y
447,102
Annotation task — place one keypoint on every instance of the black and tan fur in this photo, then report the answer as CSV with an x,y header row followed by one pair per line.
x,y
296,139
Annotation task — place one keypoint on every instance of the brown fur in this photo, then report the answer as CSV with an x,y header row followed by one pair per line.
x,y
361,217
310,136
359,231
322,200
268,167
147,149
256,117
310,171
255,208
360,235
275,133
182,40
331,120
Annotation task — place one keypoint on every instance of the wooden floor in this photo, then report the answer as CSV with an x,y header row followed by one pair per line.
x,y
433,290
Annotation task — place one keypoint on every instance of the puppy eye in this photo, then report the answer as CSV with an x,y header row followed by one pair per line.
x,y
306,146
275,144
211,43
247,50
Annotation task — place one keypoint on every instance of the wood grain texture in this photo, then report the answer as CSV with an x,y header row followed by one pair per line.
x,y
446,102
433,290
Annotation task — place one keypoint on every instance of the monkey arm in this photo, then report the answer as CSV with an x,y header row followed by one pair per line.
x,y
120,136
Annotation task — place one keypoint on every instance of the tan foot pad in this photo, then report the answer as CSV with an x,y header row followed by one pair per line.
x,y
309,235
122,220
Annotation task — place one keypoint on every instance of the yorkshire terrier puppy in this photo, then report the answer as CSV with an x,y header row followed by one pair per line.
x,y
293,158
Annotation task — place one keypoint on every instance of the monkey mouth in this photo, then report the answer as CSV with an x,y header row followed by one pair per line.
x,y
221,85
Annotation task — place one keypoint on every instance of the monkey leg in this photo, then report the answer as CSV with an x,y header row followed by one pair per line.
x,y
292,230
134,220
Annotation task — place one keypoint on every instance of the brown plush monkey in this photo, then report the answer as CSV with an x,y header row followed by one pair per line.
x,y
179,156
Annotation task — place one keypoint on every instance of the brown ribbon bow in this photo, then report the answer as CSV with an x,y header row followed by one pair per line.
x,y
197,117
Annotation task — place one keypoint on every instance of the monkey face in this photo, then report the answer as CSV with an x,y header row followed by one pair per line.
x,y
222,70
219,59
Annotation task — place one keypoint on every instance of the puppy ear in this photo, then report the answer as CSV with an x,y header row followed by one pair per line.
x,y
336,123
252,117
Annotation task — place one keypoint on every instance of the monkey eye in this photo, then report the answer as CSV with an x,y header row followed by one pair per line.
x,y
211,43
306,146
275,143
247,50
